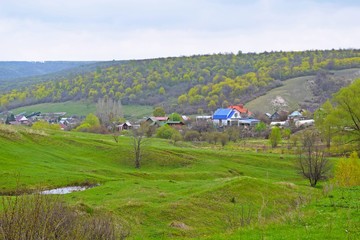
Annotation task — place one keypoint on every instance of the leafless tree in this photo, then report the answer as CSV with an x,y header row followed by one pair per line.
x,y
108,110
312,161
138,140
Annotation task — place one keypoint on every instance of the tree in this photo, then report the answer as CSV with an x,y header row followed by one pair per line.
x,y
344,117
159,112
138,140
162,91
324,122
275,137
176,136
286,133
165,132
108,110
311,161
90,123
260,127
175,117
347,171
182,99
10,118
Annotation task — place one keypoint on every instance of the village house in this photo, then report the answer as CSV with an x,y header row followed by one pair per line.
x,y
124,126
161,121
156,121
226,117
245,113
234,115
295,116
205,118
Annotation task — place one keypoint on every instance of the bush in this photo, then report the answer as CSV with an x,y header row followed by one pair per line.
x,y
192,136
43,217
347,171
83,127
286,133
176,137
224,138
39,125
90,124
275,137
165,132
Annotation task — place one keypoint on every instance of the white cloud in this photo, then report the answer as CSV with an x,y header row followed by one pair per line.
x,y
109,29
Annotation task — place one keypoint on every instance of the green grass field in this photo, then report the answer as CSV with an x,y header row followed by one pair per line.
x,y
82,108
183,191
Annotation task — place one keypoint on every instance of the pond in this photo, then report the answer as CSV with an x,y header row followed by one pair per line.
x,y
65,190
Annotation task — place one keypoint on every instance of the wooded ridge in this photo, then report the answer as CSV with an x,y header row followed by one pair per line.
x,y
187,84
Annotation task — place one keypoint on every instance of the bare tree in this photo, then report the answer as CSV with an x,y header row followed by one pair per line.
x,y
108,110
312,162
138,140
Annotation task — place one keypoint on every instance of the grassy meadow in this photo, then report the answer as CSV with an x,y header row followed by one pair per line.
x,y
82,108
181,191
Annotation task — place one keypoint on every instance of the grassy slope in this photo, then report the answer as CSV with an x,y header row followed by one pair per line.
x,y
204,188
294,91
83,108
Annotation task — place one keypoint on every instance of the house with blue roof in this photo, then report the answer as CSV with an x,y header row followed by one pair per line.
x,y
295,116
226,117
232,117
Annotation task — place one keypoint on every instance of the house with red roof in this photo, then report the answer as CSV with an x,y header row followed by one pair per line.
x,y
241,109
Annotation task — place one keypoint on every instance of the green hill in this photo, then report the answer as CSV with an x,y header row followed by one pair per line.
x,y
184,84
181,191
298,92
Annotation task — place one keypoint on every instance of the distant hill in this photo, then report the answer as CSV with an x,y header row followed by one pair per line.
x,y
55,71
188,85
21,69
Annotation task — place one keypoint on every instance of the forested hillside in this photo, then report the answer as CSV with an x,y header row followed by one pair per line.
x,y
189,84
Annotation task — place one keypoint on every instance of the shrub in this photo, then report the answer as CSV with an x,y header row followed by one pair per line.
x,y
175,117
224,138
165,132
83,127
192,135
286,133
232,133
92,124
176,137
44,217
45,125
275,137
260,127
347,171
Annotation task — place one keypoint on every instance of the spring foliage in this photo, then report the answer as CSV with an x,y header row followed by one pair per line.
x,y
347,172
194,82
341,116
275,137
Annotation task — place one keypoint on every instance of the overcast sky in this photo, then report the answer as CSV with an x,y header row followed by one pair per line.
x,y
39,30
